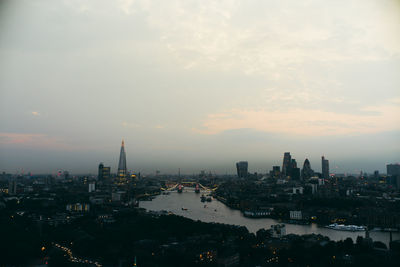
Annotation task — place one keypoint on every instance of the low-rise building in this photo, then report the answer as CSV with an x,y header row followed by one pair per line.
x,y
296,215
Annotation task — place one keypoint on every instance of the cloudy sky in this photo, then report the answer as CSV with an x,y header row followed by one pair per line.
x,y
198,84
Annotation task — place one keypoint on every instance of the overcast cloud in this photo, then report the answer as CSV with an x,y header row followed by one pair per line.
x,y
198,84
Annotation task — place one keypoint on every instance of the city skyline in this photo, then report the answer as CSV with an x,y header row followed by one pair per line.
x,y
200,133
241,168
199,85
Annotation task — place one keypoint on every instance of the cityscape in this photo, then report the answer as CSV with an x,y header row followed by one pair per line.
x,y
122,218
180,133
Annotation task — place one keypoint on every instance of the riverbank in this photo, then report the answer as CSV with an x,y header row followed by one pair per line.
x,y
217,211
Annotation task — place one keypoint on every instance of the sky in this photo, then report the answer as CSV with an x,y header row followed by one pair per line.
x,y
198,85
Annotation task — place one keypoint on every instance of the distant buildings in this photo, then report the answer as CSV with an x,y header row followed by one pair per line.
x,y
242,168
294,172
289,167
307,172
393,169
92,187
296,215
287,160
12,187
325,168
278,230
78,207
276,171
104,173
298,190
122,170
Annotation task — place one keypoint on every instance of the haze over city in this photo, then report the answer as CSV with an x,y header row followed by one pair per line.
x,y
198,85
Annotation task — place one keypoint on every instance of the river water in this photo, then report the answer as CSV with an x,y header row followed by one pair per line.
x,y
216,211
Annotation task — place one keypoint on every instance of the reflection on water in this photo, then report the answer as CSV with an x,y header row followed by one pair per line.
x,y
188,204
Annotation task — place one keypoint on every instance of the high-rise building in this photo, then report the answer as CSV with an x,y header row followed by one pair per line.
x,y
12,187
287,160
92,187
393,169
307,172
104,173
242,168
325,168
276,171
122,170
100,173
292,171
295,173
293,164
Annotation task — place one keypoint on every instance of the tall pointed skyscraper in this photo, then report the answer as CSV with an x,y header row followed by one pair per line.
x,y
122,171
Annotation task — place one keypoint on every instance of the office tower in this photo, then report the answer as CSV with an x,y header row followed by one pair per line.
x,y
292,170
100,173
307,172
122,171
242,169
376,174
295,173
293,164
325,168
104,173
393,169
12,187
92,187
287,160
276,171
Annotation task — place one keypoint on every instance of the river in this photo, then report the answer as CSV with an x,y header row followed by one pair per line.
x,y
216,211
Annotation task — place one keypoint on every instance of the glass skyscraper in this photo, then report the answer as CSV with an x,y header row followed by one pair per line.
x,y
122,170
287,160
242,169
325,168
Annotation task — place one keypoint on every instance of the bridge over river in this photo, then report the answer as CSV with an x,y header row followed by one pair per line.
x,y
172,186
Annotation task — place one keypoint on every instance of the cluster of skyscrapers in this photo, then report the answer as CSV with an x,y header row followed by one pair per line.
x,y
289,169
289,166
122,173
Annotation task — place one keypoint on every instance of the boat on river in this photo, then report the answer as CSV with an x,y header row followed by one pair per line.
x,y
342,227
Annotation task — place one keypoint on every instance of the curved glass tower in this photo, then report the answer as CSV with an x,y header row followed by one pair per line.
x,y
307,172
